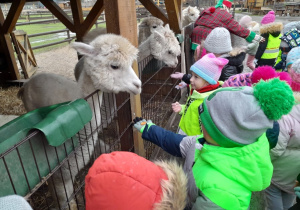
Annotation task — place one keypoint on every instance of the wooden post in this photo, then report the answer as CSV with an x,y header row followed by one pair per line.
x,y
174,15
121,19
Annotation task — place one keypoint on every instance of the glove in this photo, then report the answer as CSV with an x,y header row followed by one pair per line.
x,y
140,123
259,38
181,85
255,61
177,75
297,191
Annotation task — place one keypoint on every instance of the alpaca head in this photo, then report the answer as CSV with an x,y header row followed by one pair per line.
x,y
108,60
164,46
151,24
191,14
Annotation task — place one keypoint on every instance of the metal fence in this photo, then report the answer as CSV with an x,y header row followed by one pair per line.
x,y
53,177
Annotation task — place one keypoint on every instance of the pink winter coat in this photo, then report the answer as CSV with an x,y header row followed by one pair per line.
x,y
285,156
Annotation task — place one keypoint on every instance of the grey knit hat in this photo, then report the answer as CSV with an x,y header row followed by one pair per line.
x,y
291,25
236,117
218,41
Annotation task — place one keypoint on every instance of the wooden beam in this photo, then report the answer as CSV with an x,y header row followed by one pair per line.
x,y
174,15
121,19
77,18
13,16
154,10
92,17
179,5
59,13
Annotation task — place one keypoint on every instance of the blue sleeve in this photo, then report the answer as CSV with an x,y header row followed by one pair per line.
x,y
165,139
272,134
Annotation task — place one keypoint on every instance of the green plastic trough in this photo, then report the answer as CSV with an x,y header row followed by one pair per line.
x,y
56,125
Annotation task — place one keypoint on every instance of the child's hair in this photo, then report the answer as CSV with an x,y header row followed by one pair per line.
x,y
209,68
235,117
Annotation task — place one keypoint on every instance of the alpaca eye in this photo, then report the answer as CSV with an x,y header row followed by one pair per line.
x,y
114,67
192,14
170,52
154,27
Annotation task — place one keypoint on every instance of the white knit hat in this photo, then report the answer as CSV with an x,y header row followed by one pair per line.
x,y
218,41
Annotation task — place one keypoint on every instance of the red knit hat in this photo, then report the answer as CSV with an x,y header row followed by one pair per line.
x,y
124,180
227,3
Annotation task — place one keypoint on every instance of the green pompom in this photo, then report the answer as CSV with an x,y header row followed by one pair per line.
x,y
275,98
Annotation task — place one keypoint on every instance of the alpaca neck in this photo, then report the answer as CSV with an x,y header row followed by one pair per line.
x,y
144,49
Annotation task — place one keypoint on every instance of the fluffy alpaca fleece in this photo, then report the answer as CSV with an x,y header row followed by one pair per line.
x,y
190,15
147,26
271,28
174,189
236,51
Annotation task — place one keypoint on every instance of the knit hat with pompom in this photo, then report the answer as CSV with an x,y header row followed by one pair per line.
x,y
235,117
268,18
295,75
267,72
218,41
245,21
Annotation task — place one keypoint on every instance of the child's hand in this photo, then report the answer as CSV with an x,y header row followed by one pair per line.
x,y
181,85
176,107
177,75
140,123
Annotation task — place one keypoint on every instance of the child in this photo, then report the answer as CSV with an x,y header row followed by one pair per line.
x,y
204,81
252,47
285,156
260,73
268,50
292,56
218,42
289,40
124,180
231,159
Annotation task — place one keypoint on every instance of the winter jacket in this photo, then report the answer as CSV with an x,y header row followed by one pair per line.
x,y
124,180
212,18
252,48
270,32
225,177
190,121
235,64
285,156
239,80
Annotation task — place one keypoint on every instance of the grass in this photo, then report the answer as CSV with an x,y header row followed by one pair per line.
x,y
50,38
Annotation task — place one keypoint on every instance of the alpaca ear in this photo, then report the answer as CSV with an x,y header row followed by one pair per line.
x,y
83,49
158,36
167,27
189,9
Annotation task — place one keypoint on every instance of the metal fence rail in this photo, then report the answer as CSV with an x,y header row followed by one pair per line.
x,y
114,132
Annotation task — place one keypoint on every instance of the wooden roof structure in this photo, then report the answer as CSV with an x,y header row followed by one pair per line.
x,y
120,19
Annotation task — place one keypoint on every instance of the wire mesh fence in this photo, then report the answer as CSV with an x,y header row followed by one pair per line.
x,y
53,177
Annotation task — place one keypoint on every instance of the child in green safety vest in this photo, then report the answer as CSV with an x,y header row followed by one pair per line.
x,y
231,159
268,50
204,81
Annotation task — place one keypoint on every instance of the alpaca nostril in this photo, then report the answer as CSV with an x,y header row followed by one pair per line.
x,y
137,85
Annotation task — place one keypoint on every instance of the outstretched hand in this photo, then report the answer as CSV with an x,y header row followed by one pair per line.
x,y
181,85
140,122
177,75
297,191
176,107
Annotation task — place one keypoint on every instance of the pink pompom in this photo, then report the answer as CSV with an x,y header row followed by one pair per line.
x,y
284,76
271,13
263,73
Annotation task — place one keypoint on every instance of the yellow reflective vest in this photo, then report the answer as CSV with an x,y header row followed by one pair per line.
x,y
272,49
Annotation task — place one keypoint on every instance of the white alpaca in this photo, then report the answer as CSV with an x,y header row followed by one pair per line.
x,y
106,67
147,26
189,15
162,45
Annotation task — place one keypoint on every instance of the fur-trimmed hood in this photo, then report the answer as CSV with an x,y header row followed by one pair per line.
x,y
125,180
272,28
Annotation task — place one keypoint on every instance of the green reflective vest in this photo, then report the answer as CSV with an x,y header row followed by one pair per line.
x,y
272,49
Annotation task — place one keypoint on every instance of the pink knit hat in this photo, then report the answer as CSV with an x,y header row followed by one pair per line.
x,y
295,75
268,18
245,21
209,68
284,76
263,73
